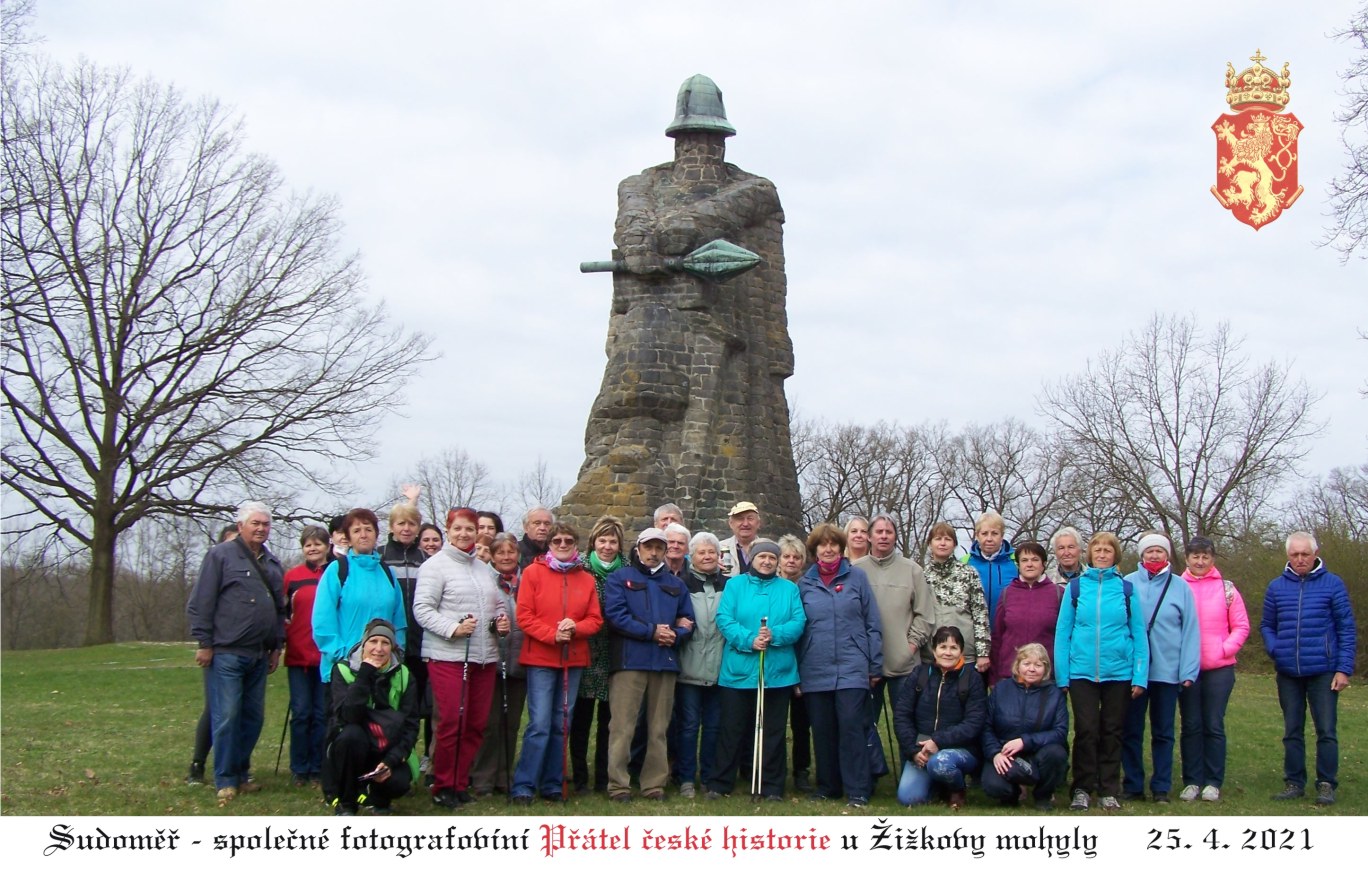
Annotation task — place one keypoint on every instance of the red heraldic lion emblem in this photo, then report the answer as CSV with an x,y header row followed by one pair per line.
x,y
1256,146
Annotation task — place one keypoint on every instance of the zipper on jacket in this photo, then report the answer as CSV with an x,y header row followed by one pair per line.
x,y
940,688
1097,653
1296,645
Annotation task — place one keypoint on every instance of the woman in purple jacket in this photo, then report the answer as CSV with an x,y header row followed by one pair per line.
x,y
1026,613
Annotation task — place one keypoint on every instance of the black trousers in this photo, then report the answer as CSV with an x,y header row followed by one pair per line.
x,y
736,739
1048,767
580,722
801,726
1099,715
353,754
841,733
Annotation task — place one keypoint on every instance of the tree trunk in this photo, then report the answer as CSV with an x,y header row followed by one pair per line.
x,y
100,615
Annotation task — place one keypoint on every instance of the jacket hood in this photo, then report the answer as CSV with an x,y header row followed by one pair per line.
x,y
364,561
1003,552
693,576
1109,571
354,658
1316,571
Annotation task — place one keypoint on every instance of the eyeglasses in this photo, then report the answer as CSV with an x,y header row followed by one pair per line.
x,y
562,542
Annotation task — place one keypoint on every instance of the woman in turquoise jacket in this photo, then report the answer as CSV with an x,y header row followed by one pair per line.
x,y
1103,663
761,618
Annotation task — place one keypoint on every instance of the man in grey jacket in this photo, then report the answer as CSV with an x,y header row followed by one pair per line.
x,y
237,615
907,609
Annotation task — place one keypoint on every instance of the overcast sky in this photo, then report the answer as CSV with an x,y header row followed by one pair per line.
x,y
979,197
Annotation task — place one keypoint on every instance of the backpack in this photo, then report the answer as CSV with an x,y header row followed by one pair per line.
x,y
1126,589
924,679
1230,592
343,568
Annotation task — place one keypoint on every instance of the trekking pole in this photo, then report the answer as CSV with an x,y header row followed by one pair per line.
x,y
565,695
504,745
758,747
885,710
281,750
465,692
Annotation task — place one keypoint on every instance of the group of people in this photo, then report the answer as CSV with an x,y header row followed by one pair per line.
x,y
681,644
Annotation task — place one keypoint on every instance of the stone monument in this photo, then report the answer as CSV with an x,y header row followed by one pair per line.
x,y
692,407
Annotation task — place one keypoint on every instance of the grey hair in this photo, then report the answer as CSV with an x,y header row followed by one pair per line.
x,y
1302,536
247,508
884,517
675,528
1072,533
791,542
668,507
527,517
704,538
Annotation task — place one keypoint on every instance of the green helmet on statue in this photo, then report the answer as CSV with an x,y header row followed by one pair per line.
x,y
698,107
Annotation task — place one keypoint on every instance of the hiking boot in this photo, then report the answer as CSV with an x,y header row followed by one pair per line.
x,y
620,797
653,795
1161,797
1325,794
1132,795
383,811
1211,794
226,794
1110,804
1292,791
802,781
300,780
447,800
249,787
1080,800
687,790
344,810
196,774
1190,793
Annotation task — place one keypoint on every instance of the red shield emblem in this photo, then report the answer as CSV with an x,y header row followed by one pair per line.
x,y
1256,147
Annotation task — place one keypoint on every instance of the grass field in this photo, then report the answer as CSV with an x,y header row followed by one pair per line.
x,y
108,731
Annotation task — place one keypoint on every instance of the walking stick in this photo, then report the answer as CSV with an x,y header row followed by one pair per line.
x,y
505,746
758,748
886,711
465,693
281,750
565,695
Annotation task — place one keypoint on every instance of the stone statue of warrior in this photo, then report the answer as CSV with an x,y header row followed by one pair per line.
x,y
692,408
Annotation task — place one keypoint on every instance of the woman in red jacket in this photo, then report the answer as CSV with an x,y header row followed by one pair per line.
x,y
558,610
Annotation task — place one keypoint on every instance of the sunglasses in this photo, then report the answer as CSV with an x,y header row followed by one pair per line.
x,y
562,542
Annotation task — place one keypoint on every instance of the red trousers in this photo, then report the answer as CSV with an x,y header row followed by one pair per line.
x,y
460,730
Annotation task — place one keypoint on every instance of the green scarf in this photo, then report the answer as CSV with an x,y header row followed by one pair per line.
x,y
602,569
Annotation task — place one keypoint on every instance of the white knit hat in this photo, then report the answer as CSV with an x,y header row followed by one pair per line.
x,y
1155,541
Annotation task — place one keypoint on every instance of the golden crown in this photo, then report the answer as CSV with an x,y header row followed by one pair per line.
x,y
1257,85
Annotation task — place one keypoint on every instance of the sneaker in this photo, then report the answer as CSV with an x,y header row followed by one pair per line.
x,y
1325,794
1110,804
859,803
226,794
1291,792
1161,797
344,810
447,800
382,811
1080,800
196,774
1211,793
1190,793
687,790
425,764
774,797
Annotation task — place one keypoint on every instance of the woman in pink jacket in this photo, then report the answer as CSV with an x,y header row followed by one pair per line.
x,y
1224,627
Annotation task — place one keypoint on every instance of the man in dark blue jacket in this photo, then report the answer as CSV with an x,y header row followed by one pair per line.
x,y
237,615
1308,630
649,615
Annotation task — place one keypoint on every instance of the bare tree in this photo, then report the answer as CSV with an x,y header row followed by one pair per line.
x,y
1338,503
539,488
1013,469
1349,191
178,332
451,478
1178,423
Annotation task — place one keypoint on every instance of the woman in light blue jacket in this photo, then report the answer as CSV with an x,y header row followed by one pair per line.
x,y
1103,663
1175,652
761,618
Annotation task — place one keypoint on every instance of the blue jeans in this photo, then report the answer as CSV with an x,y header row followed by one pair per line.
x,y
237,703
946,767
540,767
1204,739
1295,693
1161,700
697,711
308,705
